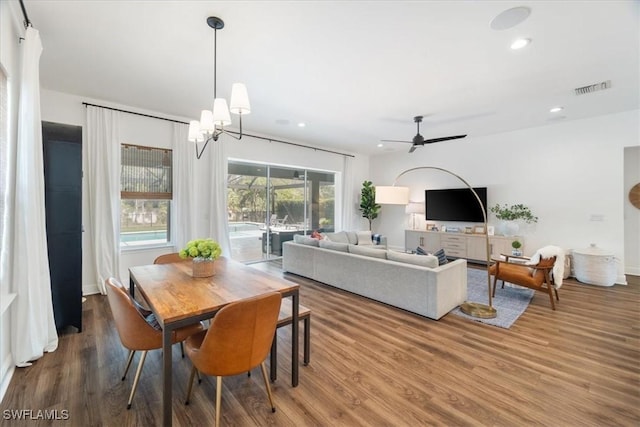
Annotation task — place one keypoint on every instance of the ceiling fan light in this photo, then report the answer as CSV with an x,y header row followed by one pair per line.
x,y
239,103
221,115
206,121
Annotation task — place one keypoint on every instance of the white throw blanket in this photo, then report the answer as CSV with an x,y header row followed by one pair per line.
x,y
558,267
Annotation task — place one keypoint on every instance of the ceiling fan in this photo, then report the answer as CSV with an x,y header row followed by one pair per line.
x,y
419,141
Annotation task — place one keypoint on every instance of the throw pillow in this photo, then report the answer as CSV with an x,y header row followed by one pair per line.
x,y
364,238
316,235
339,237
334,246
442,257
147,315
421,251
424,261
352,237
366,251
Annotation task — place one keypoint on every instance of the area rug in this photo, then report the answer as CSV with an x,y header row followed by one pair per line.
x,y
509,302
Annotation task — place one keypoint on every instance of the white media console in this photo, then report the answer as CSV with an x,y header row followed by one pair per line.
x,y
460,245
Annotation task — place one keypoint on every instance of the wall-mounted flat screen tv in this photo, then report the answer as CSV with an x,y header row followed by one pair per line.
x,y
455,204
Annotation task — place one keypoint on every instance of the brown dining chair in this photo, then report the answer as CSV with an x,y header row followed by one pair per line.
x,y
237,341
170,258
537,276
138,333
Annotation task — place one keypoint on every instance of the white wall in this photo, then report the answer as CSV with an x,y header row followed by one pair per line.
x,y
68,109
568,173
631,213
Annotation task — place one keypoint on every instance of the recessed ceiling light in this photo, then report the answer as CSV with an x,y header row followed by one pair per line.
x,y
510,18
556,109
380,145
520,43
301,125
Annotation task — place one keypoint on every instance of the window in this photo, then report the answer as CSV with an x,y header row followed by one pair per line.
x,y
283,200
145,196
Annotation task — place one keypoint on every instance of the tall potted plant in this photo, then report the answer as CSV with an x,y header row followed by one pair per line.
x,y
368,205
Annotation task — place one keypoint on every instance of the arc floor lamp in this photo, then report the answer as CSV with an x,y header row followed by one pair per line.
x,y
396,195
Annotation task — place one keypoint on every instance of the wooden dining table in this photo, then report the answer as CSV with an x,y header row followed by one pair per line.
x,y
178,299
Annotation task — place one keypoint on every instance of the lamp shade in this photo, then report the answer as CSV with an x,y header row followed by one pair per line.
x,y
414,208
239,103
206,121
195,135
221,115
392,195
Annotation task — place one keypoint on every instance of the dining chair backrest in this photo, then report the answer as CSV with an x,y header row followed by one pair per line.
x,y
169,258
135,333
240,335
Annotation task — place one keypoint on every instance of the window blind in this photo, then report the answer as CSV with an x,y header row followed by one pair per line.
x,y
146,173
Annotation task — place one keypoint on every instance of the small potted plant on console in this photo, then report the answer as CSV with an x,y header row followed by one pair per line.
x,y
516,245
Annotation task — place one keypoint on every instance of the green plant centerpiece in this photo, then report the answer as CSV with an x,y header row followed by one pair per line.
x,y
203,252
513,213
368,205
510,215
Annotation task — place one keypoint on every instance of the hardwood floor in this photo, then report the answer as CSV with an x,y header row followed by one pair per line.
x,y
373,365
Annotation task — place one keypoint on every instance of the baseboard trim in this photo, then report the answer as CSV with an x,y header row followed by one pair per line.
x,y
8,368
634,271
90,290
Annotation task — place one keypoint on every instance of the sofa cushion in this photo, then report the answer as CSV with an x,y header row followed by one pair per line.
x,y
305,240
352,237
339,237
424,261
334,246
442,257
363,250
364,238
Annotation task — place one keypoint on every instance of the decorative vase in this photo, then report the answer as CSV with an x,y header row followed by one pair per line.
x,y
202,267
510,228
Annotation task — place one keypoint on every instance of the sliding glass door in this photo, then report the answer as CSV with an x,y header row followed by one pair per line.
x,y
268,205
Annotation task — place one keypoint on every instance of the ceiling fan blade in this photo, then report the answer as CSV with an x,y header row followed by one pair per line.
x,y
395,140
413,148
445,138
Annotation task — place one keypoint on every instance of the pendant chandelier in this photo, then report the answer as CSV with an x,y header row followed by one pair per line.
x,y
212,122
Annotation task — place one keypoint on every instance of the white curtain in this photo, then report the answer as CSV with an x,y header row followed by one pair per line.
x,y
348,200
183,209
218,200
33,329
103,190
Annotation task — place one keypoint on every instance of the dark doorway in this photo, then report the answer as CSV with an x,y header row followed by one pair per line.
x,y
62,147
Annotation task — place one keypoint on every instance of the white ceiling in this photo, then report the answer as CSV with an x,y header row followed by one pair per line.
x,y
354,71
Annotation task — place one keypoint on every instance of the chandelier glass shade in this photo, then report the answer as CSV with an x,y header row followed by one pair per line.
x,y
212,122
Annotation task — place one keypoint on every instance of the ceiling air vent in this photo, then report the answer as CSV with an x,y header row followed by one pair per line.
x,y
593,88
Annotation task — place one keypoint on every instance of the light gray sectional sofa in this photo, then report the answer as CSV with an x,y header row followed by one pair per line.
x,y
386,276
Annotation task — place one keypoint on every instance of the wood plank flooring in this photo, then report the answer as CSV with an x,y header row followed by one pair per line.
x,y
373,365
